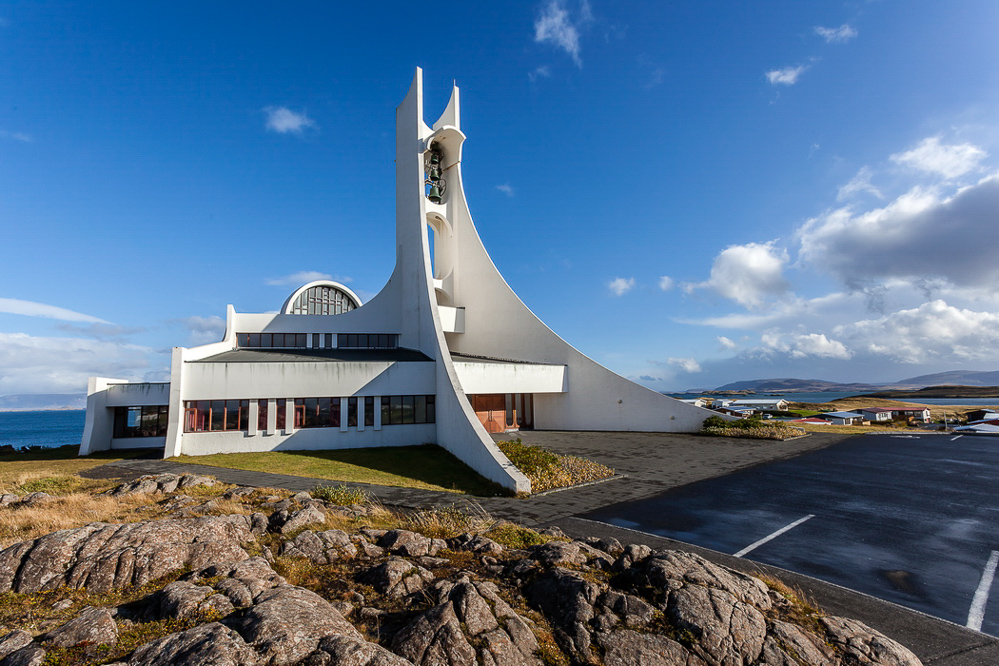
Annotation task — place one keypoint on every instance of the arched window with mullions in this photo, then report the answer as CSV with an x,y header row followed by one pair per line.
x,y
321,298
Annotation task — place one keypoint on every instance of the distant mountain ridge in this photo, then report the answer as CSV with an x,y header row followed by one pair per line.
x,y
42,401
794,385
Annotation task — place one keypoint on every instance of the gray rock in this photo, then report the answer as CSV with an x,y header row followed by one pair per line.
x,y
474,543
180,599
92,625
609,545
566,599
630,648
795,643
286,623
347,651
103,556
410,544
35,499
866,645
633,610
673,569
212,643
30,655
13,642
464,630
557,553
238,492
321,547
190,480
397,577
729,632
7,499
242,580
310,515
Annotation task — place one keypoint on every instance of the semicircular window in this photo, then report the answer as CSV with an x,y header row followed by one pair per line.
x,y
322,300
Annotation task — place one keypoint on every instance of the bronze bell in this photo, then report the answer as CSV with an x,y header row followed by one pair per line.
x,y
435,193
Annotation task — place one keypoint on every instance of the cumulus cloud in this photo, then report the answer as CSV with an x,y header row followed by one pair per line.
x,y
686,364
33,309
542,72
16,136
506,189
283,120
859,183
922,234
304,277
666,283
726,343
839,35
787,76
30,364
932,331
949,161
748,274
556,25
621,286
203,329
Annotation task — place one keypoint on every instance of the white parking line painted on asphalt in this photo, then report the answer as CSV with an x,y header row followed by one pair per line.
x,y
753,546
977,612
958,437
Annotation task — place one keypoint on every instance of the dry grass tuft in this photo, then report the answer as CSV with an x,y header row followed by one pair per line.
x,y
20,523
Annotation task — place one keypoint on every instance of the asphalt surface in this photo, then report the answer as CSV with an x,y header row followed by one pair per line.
x,y
913,520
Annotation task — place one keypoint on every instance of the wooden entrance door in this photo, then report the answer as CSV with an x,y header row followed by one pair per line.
x,y
491,410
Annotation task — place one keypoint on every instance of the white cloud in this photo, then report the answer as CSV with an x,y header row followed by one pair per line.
x,y
17,136
557,26
748,274
859,183
621,286
933,331
787,76
30,364
542,72
506,189
203,329
685,364
844,33
304,277
949,161
666,283
33,309
726,343
922,234
283,120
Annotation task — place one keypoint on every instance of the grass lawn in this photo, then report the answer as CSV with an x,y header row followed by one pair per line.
x,y
50,470
427,467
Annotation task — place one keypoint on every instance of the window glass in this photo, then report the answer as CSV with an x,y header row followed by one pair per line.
x,y
369,411
395,415
232,414
351,412
266,339
253,340
242,339
329,341
217,417
408,407
386,410
262,415
335,412
281,412
431,409
420,411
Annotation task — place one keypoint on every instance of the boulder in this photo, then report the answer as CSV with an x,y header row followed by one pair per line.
x,y
558,554
321,547
211,643
673,569
339,650
629,648
183,598
310,515
474,543
103,556
728,631
566,599
397,577
464,629
865,645
13,642
286,623
410,544
92,625
30,655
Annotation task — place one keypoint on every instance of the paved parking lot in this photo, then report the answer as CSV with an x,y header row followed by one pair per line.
x,y
910,519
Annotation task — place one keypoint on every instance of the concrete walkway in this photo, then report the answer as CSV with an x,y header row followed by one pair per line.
x,y
648,464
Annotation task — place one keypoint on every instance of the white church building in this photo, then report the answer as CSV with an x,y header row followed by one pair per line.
x,y
446,353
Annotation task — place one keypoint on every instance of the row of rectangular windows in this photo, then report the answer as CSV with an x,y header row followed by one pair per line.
x,y
145,421
233,415
301,340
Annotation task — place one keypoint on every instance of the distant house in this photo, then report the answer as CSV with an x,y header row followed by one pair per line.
x,y
811,419
760,404
876,414
696,402
913,413
981,415
842,418
740,413
979,429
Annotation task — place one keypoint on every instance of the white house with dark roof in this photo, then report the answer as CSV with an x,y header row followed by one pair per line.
x,y
446,353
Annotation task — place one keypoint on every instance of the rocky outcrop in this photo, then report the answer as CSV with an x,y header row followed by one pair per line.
x,y
103,556
471,625
161,483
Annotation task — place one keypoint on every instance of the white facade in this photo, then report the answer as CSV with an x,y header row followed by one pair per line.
x,y
446,332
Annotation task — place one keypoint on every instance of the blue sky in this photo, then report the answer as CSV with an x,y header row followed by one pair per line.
x,y
692,193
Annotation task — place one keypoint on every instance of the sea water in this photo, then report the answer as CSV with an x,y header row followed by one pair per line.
x,y
45,428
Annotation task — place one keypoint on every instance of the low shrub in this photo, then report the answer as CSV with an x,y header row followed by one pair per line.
x,y
750,428
548,470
